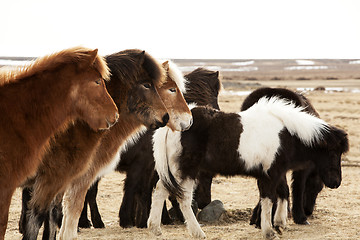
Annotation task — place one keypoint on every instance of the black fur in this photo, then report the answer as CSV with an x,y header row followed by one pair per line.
x,y
306,183
138,163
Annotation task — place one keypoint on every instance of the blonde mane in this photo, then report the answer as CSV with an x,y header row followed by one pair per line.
x,y
77,55
176,75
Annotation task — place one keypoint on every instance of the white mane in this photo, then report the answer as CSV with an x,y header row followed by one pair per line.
x,y
176,75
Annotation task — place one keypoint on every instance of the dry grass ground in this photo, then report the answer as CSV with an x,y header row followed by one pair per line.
x,y
337,214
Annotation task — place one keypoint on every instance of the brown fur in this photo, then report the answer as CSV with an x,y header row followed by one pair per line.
x,y
75,195
40,100
79,150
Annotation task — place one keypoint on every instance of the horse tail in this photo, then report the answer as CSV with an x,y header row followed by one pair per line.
x,y
162,165
307,127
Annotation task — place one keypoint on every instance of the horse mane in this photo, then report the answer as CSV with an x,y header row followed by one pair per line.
x,y
297,98
205,87
76,55
336,138
130,64
308,128
176,75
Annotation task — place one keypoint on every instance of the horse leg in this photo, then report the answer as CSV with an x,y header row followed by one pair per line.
x,y
176,207
40,205
159,196
73,202
267,197
143,211
35,217
94,210
203,189
5,200
84,222
281,213
46,232
54,220
25,198
185,206
298,189
165,218
127,207
313,186
255,217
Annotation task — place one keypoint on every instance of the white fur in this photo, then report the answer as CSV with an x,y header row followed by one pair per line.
x,y
185,206
192,105
281,213
130,141
167,148
159,196
176,75
262,123
266,225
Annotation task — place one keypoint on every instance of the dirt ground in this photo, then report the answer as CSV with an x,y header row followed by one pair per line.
x,y
337,213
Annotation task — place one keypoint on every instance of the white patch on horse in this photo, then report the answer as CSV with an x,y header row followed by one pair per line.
x,y
167,148
266,225
130,141
259,141
262,123
192,105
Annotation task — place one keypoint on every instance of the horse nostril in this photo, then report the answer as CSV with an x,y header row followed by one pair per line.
x,y
165,118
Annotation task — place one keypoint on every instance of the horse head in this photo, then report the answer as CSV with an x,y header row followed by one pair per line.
x,y
135,79
328,159
171,94
205,87
90,100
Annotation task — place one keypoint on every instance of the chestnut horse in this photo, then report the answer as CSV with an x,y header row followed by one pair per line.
x,y
40,99
136,79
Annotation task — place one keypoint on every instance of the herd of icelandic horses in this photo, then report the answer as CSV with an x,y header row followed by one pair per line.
x,y
69,118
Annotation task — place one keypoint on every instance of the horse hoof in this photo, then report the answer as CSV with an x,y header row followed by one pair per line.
x,y
305,223
279,229
155,230
271,236
199,235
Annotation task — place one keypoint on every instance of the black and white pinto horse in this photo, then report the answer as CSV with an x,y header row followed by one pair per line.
x,y
306,182
265,141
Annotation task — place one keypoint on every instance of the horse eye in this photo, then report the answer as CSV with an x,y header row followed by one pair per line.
x,y
147,85
172,89
98,82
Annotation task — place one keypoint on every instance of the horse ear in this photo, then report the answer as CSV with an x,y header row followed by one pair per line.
x,y
142,58
89,59
166,65
93,54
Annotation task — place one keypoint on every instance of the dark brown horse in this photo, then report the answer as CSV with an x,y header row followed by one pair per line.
x,y
135,81
40,99
107,156
202,88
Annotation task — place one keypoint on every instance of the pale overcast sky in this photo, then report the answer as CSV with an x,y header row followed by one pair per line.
x,y
184,29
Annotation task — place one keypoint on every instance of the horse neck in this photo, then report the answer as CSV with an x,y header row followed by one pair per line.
x,y
126,126
39,107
